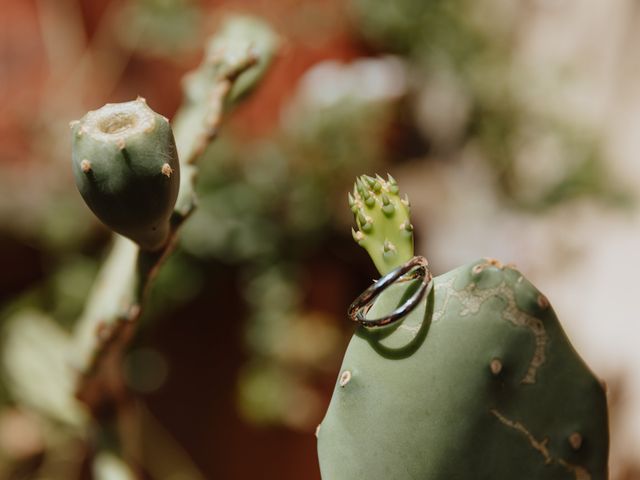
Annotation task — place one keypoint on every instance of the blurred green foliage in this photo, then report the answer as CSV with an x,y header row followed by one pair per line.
x,y
471,45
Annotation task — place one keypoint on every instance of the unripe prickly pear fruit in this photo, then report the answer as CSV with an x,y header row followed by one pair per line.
x,y
126,168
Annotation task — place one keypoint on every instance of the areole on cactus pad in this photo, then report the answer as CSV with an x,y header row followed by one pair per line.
x,y
477,381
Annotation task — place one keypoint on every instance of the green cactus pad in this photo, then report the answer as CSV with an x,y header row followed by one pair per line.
x,y
126,168
478,382
384,227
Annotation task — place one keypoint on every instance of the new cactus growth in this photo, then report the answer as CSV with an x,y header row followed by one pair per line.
x,y
382,217
126,168
479,381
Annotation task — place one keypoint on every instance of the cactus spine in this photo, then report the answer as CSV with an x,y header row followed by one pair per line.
x,y
126,168
477,382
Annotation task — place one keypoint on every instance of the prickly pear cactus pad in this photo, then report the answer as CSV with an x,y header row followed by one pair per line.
x,y
126,168
479,381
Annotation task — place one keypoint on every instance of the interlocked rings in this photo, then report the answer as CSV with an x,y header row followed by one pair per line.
x,y
417,267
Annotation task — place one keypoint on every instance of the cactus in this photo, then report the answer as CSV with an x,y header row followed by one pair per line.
x,y
126,168
116,301
478,381
384,226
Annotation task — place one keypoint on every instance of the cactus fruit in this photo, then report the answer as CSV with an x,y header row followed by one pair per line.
x,y
126,168
479,381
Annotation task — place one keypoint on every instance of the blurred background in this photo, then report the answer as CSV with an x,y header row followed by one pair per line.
x,y
510,125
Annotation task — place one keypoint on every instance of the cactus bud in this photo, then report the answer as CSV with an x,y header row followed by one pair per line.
x,y
126,168
375,202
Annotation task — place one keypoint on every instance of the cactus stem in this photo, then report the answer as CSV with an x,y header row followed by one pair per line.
x,y
495,366
345,378
85,166
167,170
575,440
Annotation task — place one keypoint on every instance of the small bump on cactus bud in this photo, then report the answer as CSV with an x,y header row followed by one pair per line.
x,y
370,202
388,210
352,201
406,226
